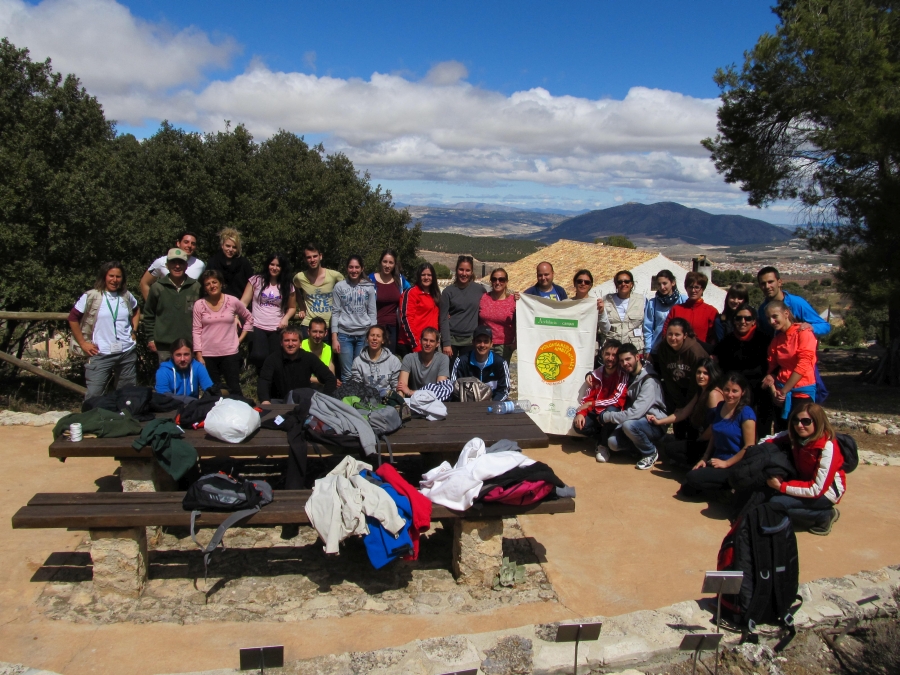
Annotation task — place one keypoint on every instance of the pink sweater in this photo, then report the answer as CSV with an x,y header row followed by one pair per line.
x,y
500,315
214,332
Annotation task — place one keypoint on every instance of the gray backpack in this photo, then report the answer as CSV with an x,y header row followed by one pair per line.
x,y
384,421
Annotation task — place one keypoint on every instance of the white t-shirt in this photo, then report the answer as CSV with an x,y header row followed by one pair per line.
x,y
194,269
104,334
621,306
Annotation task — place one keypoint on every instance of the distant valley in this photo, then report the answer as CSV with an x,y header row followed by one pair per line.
x,y
664,222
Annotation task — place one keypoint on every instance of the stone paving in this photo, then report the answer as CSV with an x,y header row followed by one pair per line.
x,y
260,577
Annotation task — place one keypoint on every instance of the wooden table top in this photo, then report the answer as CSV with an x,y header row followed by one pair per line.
x,y
464,421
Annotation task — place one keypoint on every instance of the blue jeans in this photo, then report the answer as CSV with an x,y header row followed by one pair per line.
x,y
637,435
806,513
351,347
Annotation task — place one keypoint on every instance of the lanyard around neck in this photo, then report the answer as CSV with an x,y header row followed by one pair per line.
x,y
114,315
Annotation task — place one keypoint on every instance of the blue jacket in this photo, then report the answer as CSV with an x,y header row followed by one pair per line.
x,y
404,284
171,380
559,290
654,318
383,547
801,310
494,373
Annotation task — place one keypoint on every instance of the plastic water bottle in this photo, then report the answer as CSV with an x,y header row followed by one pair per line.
x,y
506,407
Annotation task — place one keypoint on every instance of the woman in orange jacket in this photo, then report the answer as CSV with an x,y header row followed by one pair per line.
x,y
792,360
419,308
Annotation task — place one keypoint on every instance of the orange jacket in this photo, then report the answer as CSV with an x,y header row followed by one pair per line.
x,y
794,352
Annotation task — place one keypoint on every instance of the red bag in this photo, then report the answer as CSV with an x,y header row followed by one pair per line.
x,y
521,494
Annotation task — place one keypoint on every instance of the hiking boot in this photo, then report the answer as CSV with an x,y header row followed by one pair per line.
x,y
825,530
647,462
601,453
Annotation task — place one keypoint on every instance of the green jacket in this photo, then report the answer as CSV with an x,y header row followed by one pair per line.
x,y
103,423
169,311
166,438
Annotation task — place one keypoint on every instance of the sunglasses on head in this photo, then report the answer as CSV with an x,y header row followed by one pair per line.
x,y
583,281
803,421
495,280
622,282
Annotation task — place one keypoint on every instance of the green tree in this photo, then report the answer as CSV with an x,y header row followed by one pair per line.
x,y
618,240
814,115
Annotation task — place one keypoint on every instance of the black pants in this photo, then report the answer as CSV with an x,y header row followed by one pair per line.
x,y
685,431
706,479
229,367
265,342
684,453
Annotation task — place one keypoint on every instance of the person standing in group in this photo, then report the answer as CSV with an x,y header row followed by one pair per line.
x,y
216,341
182,376
700,315
234,267
274,303
545,288
460,303
169,309
376,366
676,362
657,308
427,366
419,308
104,323
733,431
389,287
736,296
497,310
622,318
352,314
791,360
187,242
314,289
770,283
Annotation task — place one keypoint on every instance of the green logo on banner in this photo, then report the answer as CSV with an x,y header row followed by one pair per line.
x,y
561,323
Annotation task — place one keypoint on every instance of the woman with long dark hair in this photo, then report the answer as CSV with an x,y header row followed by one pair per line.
x,y
733,431
274,303
389,287
353,312
736,296
676,363
104,324
657,309
460,303
419,308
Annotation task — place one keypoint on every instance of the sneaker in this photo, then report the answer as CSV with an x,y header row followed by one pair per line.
x,y
647,462
825,530
602,453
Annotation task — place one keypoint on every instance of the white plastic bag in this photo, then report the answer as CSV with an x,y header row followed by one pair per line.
x,y
231,421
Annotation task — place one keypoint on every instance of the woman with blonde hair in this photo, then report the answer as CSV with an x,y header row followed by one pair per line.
x,y
228,261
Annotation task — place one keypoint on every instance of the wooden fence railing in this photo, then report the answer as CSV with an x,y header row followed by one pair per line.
x,y
24,365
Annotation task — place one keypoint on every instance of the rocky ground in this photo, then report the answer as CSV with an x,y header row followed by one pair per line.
x,y
260,577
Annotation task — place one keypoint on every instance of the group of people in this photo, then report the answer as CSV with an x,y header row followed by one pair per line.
x,y
720,379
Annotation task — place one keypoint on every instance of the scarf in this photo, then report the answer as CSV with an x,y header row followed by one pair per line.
x,y
746,337
668,300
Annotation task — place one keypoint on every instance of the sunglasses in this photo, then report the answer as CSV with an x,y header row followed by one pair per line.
x,y
743,319
803,421
579,282
498,280
622,282
696,286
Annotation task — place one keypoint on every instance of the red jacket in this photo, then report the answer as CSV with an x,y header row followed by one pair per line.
x,y
606,391
819,468
420,505
794,351
701,316
417,311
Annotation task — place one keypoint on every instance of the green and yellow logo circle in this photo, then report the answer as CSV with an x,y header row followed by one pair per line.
x,y
555,360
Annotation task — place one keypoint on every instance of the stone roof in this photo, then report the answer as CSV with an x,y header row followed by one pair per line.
x,y
567,257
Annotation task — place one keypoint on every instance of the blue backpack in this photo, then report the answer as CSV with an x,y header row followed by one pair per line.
x,y
382,546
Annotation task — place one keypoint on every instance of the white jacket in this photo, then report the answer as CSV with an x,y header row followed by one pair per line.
x,y
457,487
341,501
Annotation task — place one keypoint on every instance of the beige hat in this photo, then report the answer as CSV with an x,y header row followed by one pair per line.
x,y
177,254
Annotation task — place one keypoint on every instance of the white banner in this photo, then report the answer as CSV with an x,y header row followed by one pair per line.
x,y
555,343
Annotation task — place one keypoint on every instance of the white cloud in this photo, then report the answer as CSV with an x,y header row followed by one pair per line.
x,y
439,128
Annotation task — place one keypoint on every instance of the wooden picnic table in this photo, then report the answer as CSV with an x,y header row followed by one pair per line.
x,y
464,422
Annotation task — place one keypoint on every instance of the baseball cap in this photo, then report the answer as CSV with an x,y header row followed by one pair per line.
x,y
177,254
483,330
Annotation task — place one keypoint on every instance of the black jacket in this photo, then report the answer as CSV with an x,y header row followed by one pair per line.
x,y
280,374
495,372
745,357
237,272
760,463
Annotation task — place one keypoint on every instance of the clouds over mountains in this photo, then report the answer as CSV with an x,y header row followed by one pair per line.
x,y
437,127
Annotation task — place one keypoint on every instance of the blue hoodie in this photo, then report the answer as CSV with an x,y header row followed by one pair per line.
x,y
171,380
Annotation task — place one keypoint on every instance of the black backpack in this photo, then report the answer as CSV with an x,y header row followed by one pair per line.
x,y
849,452
763,546
220,492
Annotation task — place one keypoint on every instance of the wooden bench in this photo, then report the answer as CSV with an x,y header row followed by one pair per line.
x,y
117,523
464,422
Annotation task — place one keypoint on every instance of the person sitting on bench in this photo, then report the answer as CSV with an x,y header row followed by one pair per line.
x,y
317,346
182,375
483,364
290,369
427,366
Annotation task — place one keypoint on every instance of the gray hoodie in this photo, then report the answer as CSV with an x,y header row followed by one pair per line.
x,y
353,307
382,374
644,397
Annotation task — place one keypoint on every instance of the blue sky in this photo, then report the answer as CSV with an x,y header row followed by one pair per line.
x,y
569,105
